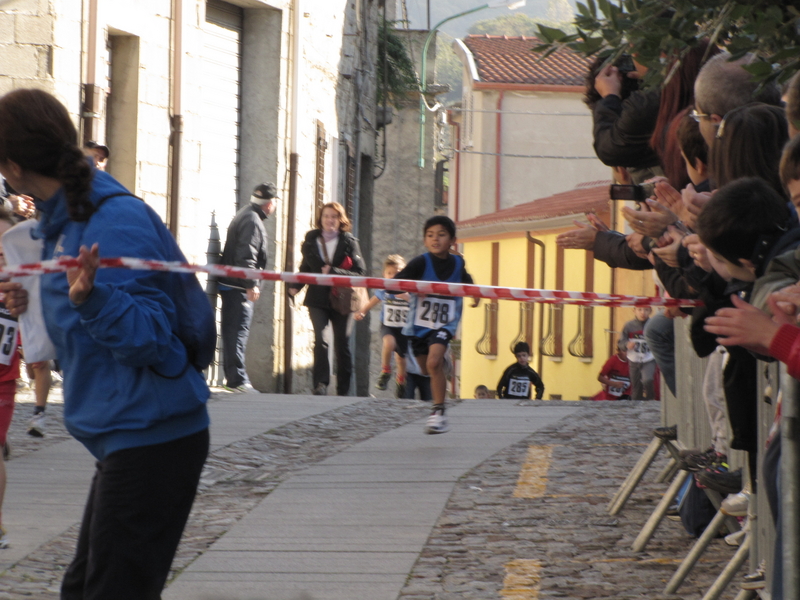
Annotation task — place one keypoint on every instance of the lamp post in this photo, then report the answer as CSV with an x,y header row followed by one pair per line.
x,y
510,4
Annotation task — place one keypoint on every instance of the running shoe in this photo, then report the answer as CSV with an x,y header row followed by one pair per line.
x,y
735,505
437,422
3,539
383,380
36,425
400,390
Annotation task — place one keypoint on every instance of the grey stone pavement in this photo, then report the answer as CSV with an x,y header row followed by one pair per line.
x,y
324,498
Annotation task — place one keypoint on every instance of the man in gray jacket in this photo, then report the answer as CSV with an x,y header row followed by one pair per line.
x,y
245,246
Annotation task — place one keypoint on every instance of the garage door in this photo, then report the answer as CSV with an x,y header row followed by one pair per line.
x,y
221,87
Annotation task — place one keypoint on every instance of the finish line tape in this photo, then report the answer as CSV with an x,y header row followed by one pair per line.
x,y
396,285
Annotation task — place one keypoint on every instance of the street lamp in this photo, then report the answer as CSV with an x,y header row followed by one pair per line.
x,y
510,4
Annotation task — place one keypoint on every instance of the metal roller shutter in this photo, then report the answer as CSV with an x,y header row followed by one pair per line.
x,y
221,120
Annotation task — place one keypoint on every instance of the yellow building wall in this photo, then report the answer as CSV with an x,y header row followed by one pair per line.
x,y
570,378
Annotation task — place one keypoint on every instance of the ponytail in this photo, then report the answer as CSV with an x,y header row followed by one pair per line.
x,y
36,132
75,174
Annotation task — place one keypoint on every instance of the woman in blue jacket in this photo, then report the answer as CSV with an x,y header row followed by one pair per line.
x,y
130,394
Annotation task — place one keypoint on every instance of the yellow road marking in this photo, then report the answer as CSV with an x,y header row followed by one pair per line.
x,y
522,580
532,480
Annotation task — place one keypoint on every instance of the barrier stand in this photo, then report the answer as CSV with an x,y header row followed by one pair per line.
x,y
730,570
668,472
640,468
660,512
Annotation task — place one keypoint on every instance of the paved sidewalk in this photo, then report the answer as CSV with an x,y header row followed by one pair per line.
x,y
353,525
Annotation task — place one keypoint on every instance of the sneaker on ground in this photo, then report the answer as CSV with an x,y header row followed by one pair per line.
x,y
674,513
383,379
244,388
735,505
3,539
437,422
755,580
736,538
56,378
36,425
321,390
666,433
400,390
724,483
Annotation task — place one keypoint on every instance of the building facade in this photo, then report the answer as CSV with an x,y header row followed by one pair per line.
x,y
201,100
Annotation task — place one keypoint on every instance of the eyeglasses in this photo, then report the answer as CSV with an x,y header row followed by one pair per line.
x,y
698,116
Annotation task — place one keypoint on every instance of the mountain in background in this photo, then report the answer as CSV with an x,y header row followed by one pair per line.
x,y
459,28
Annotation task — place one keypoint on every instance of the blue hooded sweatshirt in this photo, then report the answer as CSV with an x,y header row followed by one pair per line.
x,y
126,381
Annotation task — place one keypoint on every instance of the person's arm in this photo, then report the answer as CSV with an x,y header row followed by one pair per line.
x,y
311,262
538,384
413,271
622,130
467,278
502,385
373,302
248,245
612,248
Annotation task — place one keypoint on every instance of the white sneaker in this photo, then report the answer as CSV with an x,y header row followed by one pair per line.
x,y
737,537
36,425
437,423
735,505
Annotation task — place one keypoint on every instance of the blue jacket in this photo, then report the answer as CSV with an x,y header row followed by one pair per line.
x,y
125,381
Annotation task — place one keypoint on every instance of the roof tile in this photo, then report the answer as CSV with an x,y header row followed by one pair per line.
x,y
504,59
573,202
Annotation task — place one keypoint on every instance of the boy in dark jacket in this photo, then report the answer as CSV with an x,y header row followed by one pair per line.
x,y
517,379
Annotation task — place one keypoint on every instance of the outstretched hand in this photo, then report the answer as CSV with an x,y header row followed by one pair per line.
x,y
81,278
582,238
743,325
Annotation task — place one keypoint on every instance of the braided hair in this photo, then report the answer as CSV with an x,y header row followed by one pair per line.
x,y
37,134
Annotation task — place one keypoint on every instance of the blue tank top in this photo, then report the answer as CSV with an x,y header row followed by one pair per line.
x,y
433,312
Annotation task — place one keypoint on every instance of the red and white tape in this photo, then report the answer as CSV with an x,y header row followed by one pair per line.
x,y
398,285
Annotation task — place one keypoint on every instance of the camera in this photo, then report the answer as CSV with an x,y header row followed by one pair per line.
x,y
638,192
625,64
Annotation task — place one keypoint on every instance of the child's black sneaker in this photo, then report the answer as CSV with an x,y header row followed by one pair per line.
x,y
383,379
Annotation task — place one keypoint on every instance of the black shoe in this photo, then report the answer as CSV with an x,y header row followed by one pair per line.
x,y
321,390
666,433
724,483
383,379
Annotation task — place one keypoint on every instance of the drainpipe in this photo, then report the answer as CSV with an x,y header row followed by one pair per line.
x,y
498,159
540,244
291,210
176,119
457,178
90,110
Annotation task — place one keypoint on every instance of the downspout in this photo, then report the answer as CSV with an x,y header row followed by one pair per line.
x,y
291,209
540,244
90,111
176,119
612,320
457,178
498,159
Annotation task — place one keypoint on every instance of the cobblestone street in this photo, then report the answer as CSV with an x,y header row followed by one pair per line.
x,y
494,539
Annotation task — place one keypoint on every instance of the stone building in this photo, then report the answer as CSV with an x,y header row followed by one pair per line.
x,y
200,100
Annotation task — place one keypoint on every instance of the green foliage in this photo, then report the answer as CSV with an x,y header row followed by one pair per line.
x,y
645,29
398,78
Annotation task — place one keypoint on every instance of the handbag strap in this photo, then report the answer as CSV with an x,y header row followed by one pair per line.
x,y
324,250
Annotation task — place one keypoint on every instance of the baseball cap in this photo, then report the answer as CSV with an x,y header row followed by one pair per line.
x,y
92,145
266,191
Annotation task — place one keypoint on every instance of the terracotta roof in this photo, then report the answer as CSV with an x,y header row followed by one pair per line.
x,y
573,202
504,59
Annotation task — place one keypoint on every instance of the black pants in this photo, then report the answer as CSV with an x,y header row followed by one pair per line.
x,y
137,508
237,312
341,348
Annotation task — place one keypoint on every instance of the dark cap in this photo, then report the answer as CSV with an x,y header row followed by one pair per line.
x,y
266,191
92,145
522,347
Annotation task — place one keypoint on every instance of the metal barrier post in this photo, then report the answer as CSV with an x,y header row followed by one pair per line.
x,y
213,257
634,477
730,570
790,463
711,531
658,514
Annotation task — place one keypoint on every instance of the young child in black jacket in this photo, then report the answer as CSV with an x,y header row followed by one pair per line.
x,y
517,379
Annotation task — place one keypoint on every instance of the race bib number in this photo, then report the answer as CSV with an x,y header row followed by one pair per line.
x,y
640,352
520,388
8,338
618,387
434,313
395,316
